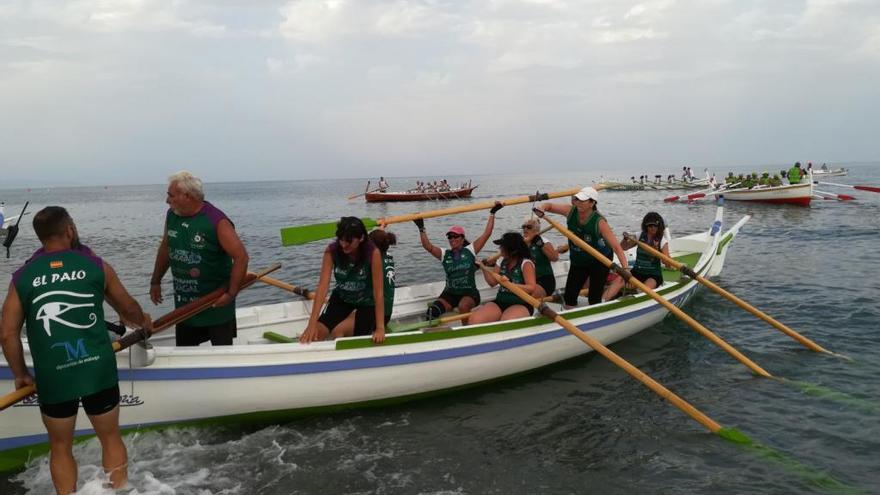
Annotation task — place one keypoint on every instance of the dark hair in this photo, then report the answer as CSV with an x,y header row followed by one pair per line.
x,y
50,222
654,217
383,240
348,228
514,244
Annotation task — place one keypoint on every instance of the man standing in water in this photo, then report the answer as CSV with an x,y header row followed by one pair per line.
x,y
59,295
204,252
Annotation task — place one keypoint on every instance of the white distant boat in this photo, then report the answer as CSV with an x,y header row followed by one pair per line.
x,y
259,381
832,172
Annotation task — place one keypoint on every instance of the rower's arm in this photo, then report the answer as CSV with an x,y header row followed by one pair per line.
x,y
558,208
378,296
10,330
489,278
162,262
119,299
487,232
426,243
232,245
608,235
550,251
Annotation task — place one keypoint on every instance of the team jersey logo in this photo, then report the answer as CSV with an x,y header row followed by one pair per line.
x,y
51,311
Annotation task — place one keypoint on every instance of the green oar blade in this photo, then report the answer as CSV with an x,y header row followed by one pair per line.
x,y
409,327
302,234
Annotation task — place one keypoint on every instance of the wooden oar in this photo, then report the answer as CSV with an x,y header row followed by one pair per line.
x,y
178,315
289,288
302,234
860,188
446,319
363,193
701,194
671,199
839,197
366,190
636,373
627,277
732,298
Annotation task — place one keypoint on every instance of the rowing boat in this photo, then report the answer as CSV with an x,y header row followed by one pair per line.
x,y
654,186
795,194
255,380
430,195
834,172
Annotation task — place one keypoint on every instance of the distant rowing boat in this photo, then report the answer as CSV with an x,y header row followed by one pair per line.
x,y
796,194
653,186
431,195
834,172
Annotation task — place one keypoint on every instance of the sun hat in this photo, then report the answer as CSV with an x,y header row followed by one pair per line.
x,y
587,193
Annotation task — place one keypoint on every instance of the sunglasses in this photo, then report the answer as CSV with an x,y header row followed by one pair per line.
x,y
653,225
528,227
453,236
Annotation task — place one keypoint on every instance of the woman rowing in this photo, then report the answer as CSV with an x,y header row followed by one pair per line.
x,y
543,253
357,266
647,267
516,266
585,221
459,264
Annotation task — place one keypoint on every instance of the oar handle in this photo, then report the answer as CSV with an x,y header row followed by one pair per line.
x,y
656,387
627,277
485,205
288,287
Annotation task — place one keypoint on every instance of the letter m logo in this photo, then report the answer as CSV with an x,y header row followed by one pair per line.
x,y
74,351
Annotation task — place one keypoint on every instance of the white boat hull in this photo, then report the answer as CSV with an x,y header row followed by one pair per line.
x,y
259,381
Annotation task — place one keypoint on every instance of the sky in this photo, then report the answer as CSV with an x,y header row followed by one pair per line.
x,y
129,91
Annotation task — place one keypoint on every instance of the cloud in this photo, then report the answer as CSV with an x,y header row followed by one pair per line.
x,y
316,21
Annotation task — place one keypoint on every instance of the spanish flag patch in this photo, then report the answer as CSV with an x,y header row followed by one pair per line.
x,y
56,264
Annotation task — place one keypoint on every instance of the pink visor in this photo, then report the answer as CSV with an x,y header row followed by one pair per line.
x,y
456,229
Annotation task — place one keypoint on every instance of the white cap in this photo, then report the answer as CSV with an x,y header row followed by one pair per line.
x,y
587,193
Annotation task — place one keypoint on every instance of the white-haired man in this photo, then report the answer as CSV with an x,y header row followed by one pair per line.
x,y
202,249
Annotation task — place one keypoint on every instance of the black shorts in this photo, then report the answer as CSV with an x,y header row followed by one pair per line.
x,y
454,299
338,310
222,334
643,277
577,275
504,306
95,404
548,282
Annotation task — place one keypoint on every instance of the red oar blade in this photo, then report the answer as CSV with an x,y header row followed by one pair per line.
x,y
867,188
694,196
670,199
846,197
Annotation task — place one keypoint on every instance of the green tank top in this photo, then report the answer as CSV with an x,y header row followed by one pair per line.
x,y
516,276
589,232
354,282
198,264
388,284
62,295
542,262
647,263
794,175
460,270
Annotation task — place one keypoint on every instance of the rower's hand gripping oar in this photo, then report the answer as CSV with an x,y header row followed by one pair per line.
x,y
178,315
627,277
686,270
303,234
